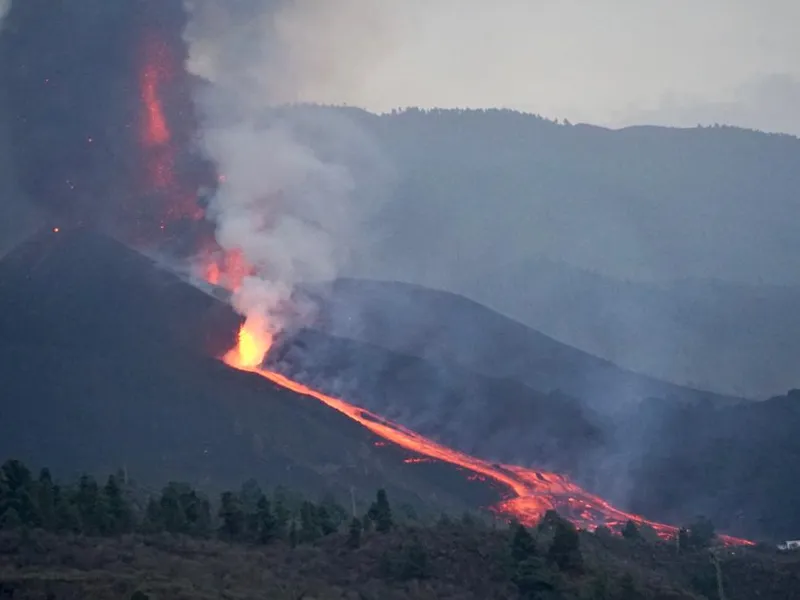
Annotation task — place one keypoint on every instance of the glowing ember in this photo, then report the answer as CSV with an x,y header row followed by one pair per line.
x,y
531,493
155,130
156,74
225,269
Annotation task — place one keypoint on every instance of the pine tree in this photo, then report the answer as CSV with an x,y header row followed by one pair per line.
x,y
381,513
523,546
282,515
325,520
309,523
684,543
231,516
10,520
631,531
46,500
249,495
354,535
565,550
120,512
16,475
153,520
90,506
172,515
702,533
293,533
366,523
202,525
26,508
68,518
196,510
267,523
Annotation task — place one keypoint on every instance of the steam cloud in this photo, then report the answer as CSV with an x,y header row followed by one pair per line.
x,y
5,6
296,186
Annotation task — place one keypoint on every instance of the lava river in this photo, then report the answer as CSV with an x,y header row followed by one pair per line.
x,y
531,493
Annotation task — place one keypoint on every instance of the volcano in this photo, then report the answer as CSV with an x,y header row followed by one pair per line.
x,y
101,367
107,360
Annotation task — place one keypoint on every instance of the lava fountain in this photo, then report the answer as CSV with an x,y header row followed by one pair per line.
x,y
531,493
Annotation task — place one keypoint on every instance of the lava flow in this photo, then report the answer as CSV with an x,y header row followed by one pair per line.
x,y
531,493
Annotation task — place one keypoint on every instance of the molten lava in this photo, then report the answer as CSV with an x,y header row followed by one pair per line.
x,y
156,132
531,492
254,343
156,74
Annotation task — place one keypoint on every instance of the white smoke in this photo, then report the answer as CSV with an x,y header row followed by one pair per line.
x,y
296,184
5,6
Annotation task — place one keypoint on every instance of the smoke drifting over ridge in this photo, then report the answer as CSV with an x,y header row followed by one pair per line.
x,y
295,186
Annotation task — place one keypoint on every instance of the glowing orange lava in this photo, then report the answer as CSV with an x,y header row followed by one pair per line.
x,y
531,492
226,269
155,131
156,73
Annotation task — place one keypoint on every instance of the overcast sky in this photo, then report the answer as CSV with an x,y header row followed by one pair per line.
x,y
602,61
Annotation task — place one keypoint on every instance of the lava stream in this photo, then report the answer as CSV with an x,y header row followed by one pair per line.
x,y
532,492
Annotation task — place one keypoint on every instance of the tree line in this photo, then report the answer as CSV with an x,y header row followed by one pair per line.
x,y
117,507
538,559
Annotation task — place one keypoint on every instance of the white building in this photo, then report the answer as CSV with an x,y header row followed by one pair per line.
x,y
790,545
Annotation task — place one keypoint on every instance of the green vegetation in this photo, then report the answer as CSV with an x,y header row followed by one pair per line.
x,y
113,541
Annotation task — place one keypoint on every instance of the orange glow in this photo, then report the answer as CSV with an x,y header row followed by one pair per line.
x,y
254,343
157,71
225,269
212,273
530,493
155,131
56,230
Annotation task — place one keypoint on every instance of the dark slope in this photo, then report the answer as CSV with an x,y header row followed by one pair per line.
x,y
105,361
447,329
496,419
736,464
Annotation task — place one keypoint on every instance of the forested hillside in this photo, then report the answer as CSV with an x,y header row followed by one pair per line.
x,y
98,540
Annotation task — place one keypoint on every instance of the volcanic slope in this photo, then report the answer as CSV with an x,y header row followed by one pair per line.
x,y
108,361
448,329
674,453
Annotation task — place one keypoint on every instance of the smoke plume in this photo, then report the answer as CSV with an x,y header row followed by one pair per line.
x,y
99,114
295,185
5,6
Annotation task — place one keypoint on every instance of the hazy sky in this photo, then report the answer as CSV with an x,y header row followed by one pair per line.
x,y
603,61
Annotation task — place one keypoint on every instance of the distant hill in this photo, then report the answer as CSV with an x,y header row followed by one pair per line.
x,y
449,329
581,232
107,361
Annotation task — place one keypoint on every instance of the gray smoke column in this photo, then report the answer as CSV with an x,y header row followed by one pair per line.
x,y
17,216
5,6
297,184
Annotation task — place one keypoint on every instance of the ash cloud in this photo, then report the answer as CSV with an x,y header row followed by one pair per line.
x,y
296,185
71,72
5,6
